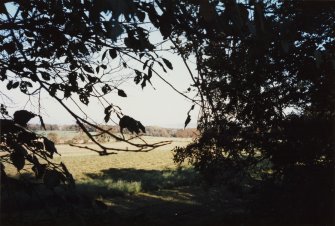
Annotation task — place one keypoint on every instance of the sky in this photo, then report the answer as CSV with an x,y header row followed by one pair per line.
x,y
158,106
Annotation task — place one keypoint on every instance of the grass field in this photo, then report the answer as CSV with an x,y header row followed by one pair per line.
x,y
139,189
135,189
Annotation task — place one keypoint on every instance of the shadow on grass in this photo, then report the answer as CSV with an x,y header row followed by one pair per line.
x,y
131,180
160,197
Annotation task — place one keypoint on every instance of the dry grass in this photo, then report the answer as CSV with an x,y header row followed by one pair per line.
x,y
82,162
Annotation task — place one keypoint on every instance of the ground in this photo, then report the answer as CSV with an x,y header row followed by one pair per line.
x,y
132,189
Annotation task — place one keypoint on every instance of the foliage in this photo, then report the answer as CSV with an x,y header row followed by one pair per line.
x,y
23,148
265,82
71,49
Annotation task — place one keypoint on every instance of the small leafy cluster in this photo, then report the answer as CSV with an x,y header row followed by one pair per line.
x,y
23,148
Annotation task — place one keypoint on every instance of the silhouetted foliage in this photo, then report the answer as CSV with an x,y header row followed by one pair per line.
x,y
265,77
70,49
25,149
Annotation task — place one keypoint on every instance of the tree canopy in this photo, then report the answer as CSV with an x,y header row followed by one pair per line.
x,y
264,78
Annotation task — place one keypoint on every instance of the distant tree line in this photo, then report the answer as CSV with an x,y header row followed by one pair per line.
x,y
155,131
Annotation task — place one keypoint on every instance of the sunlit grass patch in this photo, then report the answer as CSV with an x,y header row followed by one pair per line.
x,y
103,186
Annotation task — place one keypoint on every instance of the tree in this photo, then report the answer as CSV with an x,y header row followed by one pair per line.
x,y
70,49
52,47
266,87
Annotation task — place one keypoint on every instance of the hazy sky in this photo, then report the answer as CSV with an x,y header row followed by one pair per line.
x,y
161,106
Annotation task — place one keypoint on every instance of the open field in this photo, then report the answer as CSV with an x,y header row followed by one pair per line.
x,y
134,189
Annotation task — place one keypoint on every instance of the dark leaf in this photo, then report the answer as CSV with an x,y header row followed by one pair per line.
x,y
106,89
49,146
145,64
121,93
104,55
84,99
140,15
22,117
97,69
144,83
39,170
17,157
162,66
108,109
45,76
92,79
88,69
107,117
167,63
3,75
138,77
187,121
9,85
15,85
149,73
42,122
192,108
68,175
113,53
53,89
103,66
131,124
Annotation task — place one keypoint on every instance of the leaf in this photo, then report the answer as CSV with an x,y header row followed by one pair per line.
x,y
42,122
106,89
22,117
103,66
68,175
121,93
15,85
192,108
39,170
187,121
131,124
113,53
107,117
138,77
167,63
49,146
17,157
145,64
84,99
140,15
45,76
108,109
162,66
9,85
97,69
143,84
88,68
51,178
149,73
104,55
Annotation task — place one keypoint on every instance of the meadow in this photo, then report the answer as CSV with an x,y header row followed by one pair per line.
x,y
146,188
128,189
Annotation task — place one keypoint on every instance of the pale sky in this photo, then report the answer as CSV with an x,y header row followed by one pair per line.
x,y
156,107
161,106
